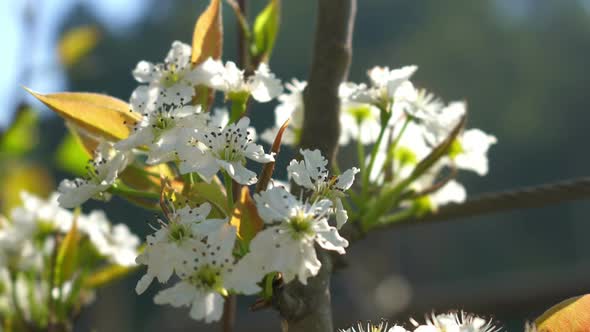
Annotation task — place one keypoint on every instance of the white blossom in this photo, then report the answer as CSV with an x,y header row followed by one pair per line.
x,y
42,212
102,172
288,244
473,148
290,107
438,126
369,327
312,174
116,242
417,103
168,83
17,250
165,131
209,279
358,121
262,85
384,84
454,322
173,246
227,149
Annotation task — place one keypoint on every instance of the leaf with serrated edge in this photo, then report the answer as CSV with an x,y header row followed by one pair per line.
x,y
98,114
208,34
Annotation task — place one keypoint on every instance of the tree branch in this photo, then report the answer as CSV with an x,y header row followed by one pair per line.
x,y
307,308
331,60
523,198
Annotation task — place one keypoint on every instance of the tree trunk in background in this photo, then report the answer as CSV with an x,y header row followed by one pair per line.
x,y
308,308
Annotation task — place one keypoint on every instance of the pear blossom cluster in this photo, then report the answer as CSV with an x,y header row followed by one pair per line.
x,y
198,251
195,250
402,124
30,239
459,322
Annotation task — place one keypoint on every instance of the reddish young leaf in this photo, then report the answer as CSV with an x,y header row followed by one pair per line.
x,y
268,169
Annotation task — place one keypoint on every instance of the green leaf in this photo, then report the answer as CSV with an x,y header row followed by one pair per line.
x,y
71,156
22,135
570,315
213,193
266,28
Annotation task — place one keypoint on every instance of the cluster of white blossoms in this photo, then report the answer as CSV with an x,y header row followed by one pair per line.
x,y
199,249
197,245
194,246
403,124
449,322
173,130
31,238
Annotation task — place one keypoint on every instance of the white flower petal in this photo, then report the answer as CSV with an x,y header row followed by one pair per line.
x,y
182,294
143,72
275,204
208,307
263,85
238,172
143,283
346,179
297,171
328,237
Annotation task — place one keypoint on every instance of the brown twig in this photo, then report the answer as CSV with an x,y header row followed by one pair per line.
x,y
229,314
243,52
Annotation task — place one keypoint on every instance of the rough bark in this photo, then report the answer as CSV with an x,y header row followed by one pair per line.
x,y
307,308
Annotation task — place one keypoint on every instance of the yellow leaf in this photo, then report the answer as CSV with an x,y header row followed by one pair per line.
x,y
572,315
108,274
18,176
68,253
100,115
208,34
77,43
245,217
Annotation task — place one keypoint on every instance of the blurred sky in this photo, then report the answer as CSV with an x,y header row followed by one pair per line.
x,y
37,47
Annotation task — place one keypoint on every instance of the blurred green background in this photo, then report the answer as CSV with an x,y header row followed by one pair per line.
x,y
520,64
